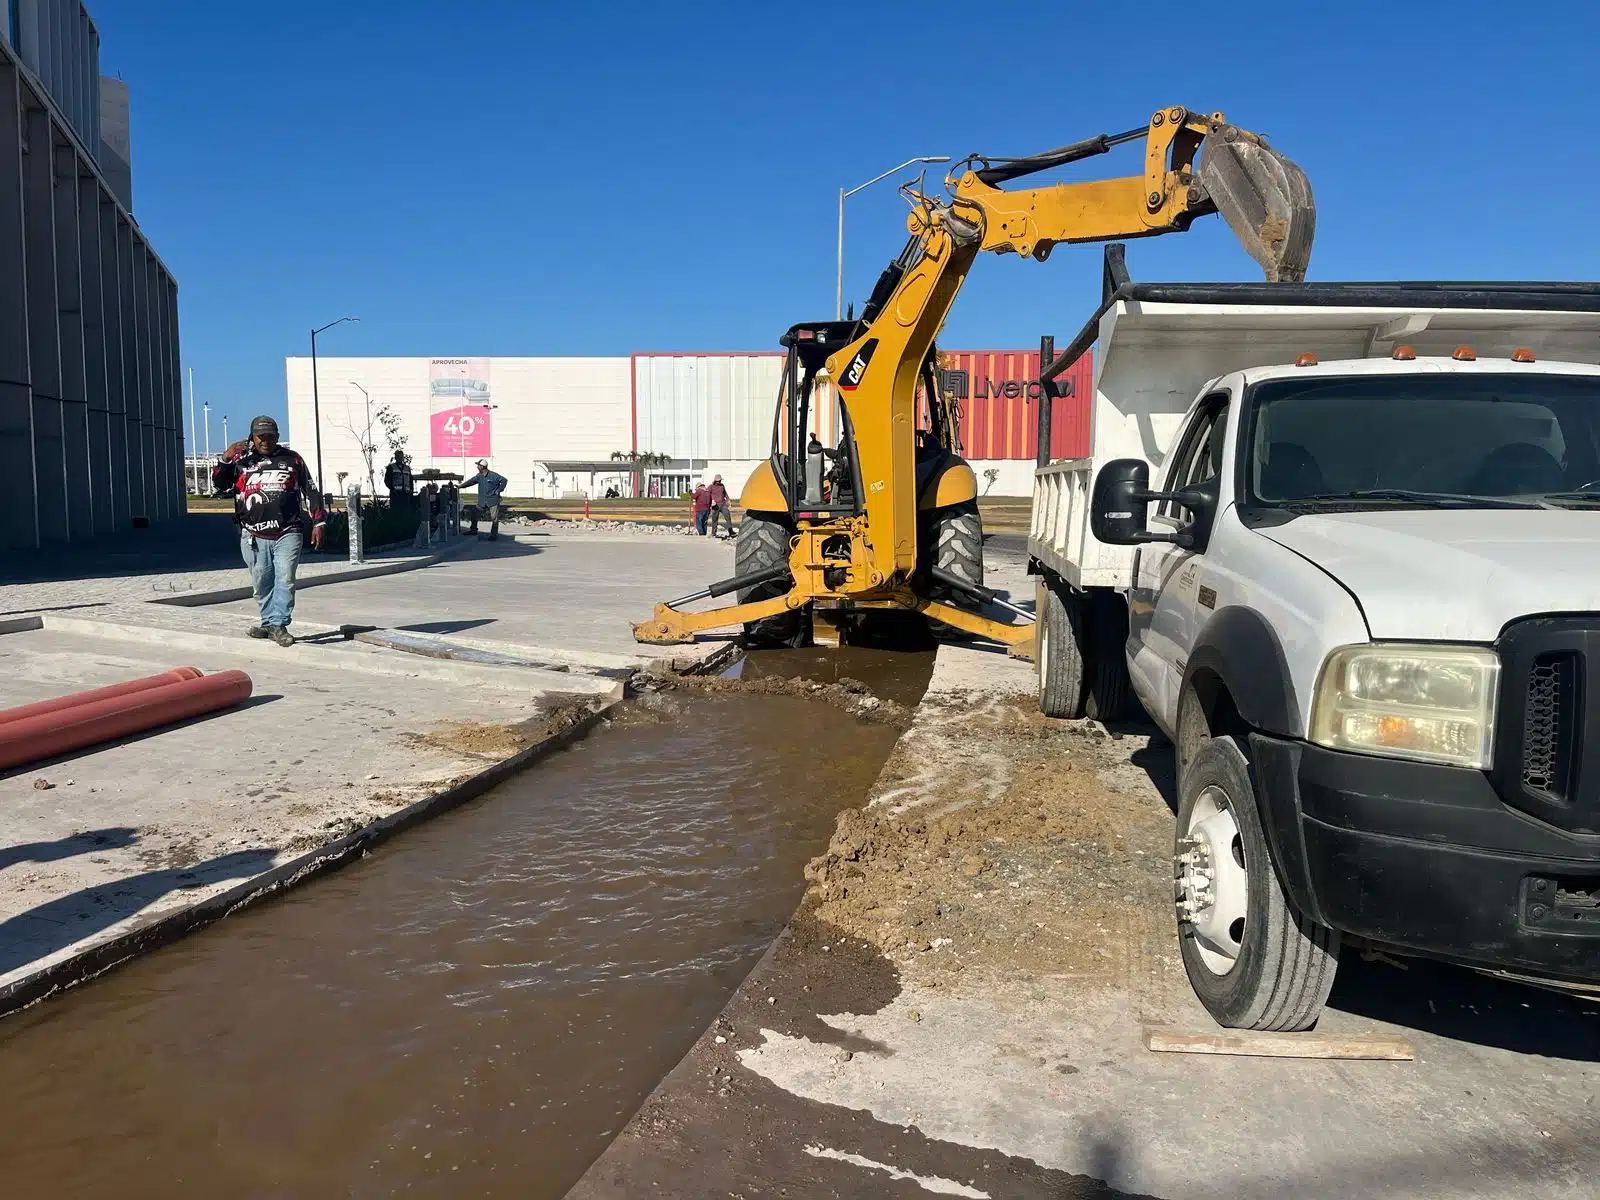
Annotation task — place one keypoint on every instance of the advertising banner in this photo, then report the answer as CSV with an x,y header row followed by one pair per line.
x,y
458,407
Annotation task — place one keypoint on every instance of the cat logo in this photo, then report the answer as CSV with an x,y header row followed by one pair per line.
x,y
858,366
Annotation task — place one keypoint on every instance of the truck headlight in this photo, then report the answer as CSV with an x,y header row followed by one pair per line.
x,y
1433,703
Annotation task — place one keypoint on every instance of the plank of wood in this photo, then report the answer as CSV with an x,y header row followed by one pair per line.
x,y
1387,1046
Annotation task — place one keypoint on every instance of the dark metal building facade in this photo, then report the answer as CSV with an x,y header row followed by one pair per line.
x,y
91,428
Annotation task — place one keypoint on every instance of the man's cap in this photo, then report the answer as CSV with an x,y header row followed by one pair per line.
x,y
718,479
263,425
482,462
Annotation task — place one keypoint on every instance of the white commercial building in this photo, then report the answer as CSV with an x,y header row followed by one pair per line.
x,y
577,427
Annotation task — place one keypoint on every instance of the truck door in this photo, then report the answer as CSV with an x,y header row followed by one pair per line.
x,y
1162,605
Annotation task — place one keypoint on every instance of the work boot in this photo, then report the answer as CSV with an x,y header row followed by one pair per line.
x,y
282,636
258,631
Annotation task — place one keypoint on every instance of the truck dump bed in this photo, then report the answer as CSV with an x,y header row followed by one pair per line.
x,y
1162,344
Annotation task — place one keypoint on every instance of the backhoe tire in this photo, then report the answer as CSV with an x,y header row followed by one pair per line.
x,y
1252,960
1106,642
1063,681
763,542
956,536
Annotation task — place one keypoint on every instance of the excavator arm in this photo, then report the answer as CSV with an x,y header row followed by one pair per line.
x,y
1194,165
1265,198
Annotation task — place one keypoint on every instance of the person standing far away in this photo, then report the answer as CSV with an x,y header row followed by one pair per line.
x,y
490,488
702,507
397,477
719,506
275,493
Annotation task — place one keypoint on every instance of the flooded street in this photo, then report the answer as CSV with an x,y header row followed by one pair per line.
x,y
477,1007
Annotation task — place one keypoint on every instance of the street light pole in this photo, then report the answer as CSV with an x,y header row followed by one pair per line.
x,y
316,402
368,449
194,449
838,293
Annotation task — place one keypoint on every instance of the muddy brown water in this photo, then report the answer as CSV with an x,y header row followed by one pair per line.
x,y
477,1007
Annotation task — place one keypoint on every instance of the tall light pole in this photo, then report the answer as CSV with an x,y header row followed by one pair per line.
x,y
368,450
316,403
225,441
838,294
207,407
194,447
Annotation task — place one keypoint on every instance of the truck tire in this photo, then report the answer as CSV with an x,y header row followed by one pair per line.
x,y
1062,679
956,535
1251,959
1110,689
763,542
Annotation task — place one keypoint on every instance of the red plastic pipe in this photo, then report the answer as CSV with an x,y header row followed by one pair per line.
x,y
50,734
176,675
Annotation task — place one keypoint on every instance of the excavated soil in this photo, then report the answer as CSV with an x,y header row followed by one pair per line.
x,y
1004,845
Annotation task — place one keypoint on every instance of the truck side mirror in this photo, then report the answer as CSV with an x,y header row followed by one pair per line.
x,y
1119,508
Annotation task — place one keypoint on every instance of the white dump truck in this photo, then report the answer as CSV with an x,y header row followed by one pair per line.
x,y
1342,542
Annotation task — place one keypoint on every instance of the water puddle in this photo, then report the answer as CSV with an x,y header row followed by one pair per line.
x,y
479,1006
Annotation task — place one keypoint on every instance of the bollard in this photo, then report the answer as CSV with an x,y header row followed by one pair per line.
x,y
352,509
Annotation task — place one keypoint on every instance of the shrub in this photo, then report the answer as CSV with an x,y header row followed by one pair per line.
x,y
382,524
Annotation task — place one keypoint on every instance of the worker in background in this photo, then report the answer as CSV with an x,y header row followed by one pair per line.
x,y
275,494
702,507
490,487
397,477
719,506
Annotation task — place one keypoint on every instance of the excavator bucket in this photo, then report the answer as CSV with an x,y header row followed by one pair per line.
x,y
1264,198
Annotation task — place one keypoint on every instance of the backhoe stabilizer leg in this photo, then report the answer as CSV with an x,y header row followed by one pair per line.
x,y
669,627
1018,639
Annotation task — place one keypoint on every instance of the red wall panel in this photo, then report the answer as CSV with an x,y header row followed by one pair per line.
x,y
999,414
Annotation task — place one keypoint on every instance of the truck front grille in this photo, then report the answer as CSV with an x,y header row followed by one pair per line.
x,y
1547,741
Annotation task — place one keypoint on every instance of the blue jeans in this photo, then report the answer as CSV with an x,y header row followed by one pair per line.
x,y
272,567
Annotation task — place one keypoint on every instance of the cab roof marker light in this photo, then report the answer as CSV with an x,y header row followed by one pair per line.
x,y
1522,355
1306,360
1403,354
1465,354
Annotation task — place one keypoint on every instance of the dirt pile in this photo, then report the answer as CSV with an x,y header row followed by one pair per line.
x,y
589,525
1002,843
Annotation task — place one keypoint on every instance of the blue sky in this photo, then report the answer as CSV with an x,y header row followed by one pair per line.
x,y
499,177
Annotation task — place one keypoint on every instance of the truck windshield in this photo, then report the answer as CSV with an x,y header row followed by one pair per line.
x,y
1446,440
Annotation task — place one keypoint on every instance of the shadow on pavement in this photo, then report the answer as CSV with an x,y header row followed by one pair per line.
x,y
59,923
1453,1002
68,847
446,626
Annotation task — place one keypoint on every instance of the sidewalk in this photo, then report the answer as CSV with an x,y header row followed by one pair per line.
x,y
113,850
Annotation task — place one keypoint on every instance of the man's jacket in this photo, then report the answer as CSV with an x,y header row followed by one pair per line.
x,y
274,491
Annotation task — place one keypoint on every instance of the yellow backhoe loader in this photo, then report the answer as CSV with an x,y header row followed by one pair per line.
x,y
888,518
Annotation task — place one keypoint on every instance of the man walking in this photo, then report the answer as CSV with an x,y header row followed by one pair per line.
x,y
702,507
490,488
719,506
274,493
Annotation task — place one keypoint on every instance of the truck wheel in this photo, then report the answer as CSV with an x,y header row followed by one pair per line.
x,y
957,537
1252,960
763,542
1061,673
1110,689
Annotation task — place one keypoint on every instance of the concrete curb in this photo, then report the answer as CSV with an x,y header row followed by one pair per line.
x,y
167,928
371,570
